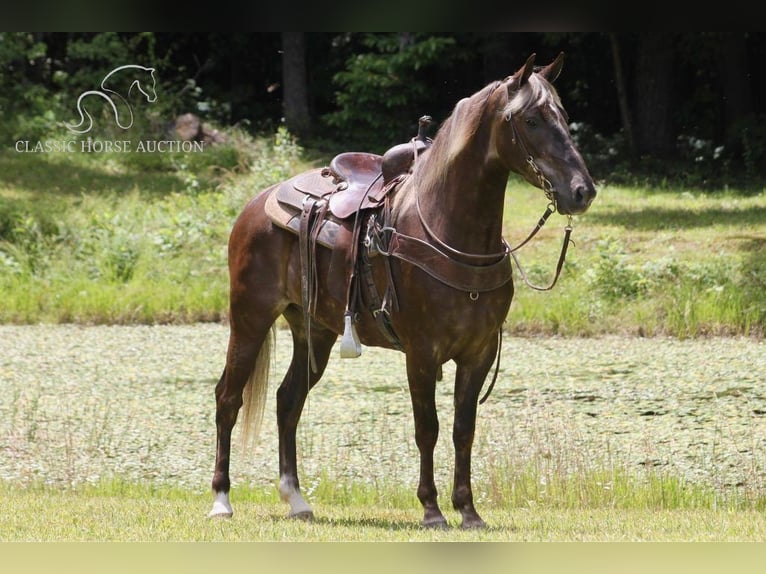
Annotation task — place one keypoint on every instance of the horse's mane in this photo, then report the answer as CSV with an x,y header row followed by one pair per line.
x,y
458,130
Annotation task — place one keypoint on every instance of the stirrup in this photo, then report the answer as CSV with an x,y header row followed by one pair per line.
x,y
350,347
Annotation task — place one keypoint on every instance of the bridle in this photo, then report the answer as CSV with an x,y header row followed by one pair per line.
x,y
550,193
545,183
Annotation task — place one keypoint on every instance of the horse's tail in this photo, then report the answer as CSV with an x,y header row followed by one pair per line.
x,y
255,392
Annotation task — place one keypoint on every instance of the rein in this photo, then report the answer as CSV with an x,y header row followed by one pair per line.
x,y
550,193
504,253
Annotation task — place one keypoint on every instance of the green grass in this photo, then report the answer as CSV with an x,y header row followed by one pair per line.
x,y
681,263
141,238
116,511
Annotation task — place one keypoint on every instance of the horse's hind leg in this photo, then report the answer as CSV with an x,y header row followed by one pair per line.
x,y
247,348
291,397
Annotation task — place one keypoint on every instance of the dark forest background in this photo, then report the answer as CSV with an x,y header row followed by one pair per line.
x,y
657,107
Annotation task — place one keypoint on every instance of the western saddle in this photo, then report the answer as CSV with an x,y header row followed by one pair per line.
x,y
326,206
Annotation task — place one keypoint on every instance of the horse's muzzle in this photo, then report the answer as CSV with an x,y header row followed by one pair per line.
x,y
584,195
577,199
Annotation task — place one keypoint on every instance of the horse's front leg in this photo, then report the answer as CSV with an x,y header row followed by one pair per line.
x,y
469,379
422,383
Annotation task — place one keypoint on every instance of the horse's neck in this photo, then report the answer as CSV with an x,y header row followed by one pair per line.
x,y
461,202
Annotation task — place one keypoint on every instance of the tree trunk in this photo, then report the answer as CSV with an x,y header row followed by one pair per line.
x,y
295,103
737,89
622,94
654,94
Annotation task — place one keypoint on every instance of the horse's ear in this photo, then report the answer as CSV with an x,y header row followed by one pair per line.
x,y
517,80
552,70
526,70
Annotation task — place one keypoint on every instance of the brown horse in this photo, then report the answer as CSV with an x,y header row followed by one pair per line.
x,y
440,251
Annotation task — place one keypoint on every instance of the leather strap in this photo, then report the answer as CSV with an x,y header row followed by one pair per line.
x,y
311,218
460,276
497,366
559,265
378,308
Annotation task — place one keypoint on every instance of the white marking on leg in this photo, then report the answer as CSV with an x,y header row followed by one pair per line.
x,y
292,496
221,506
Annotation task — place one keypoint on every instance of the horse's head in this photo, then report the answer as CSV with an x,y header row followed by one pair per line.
x,y
532,137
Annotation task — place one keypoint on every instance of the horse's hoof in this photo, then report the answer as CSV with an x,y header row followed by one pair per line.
x,y
305,515
219,513
221,506
435,524
473,524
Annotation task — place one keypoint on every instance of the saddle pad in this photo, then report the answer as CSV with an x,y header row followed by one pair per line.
x,y
289,219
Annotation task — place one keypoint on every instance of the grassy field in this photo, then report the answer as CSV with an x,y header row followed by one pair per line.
x,y
132,513
649,262
107,433
142,238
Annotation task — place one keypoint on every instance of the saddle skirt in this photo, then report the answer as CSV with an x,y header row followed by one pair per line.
x,y
287,216
353,181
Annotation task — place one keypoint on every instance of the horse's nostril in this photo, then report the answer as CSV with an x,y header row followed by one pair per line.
x,y
583,194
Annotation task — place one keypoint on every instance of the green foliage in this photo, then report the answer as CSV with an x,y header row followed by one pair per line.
x,y
27,107
612,276
138,254
382,88
271,160
752,283
43,74
367,90
142,238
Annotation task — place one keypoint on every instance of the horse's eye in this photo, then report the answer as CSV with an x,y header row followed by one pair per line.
x,y
531,123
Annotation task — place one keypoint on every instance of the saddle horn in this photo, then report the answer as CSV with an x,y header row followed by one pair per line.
x,y
399,159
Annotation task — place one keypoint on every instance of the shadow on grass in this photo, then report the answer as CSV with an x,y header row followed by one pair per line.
x,y
384,524
41,177
663,218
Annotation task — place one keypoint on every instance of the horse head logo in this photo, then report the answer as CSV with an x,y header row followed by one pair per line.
x,y
143,80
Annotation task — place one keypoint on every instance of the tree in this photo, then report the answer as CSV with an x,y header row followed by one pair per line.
x,y
295,103
737,89
622,93
653,94
387,85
